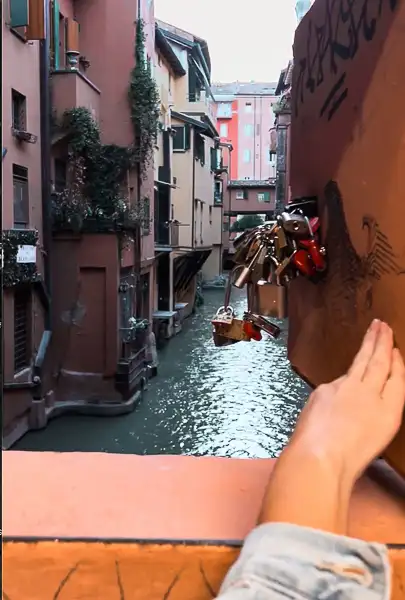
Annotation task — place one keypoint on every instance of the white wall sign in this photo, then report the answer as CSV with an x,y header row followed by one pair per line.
x,y
27,254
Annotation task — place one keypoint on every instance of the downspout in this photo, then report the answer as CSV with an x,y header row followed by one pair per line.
x,y
193,190
138,230
45,127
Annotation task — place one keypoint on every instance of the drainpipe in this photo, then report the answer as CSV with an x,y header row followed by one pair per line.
x,y
45,126
138,231
193,190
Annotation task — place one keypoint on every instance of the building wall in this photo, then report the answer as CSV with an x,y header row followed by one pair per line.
x,y
360,182
25,80
253,137
252,204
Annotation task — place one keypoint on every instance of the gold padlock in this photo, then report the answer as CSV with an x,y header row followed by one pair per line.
x,y
267,299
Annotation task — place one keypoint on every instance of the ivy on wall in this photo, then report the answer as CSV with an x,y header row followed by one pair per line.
x,y
143,96
93,199
15,273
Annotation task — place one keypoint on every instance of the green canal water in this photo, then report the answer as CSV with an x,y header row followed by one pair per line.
x,y
239,401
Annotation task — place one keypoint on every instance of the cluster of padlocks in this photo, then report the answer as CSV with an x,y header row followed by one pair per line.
x,y
267,258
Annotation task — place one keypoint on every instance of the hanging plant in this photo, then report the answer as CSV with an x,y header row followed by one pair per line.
x,y
93,198
144,101
15,273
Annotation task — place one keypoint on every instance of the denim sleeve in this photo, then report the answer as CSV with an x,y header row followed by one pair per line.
x,y
281,561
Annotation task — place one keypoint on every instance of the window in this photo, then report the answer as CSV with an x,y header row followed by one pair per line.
x,y
20,197
249,130
60,174
199,148
22,329
218,192
224,110
248,107
242,195
223,130
210,214
181,140
247,156
19,111
263,197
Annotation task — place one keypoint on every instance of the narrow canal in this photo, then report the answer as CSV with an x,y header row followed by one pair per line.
x,y
239,401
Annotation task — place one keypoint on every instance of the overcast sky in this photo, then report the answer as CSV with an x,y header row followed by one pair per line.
x,y
247,41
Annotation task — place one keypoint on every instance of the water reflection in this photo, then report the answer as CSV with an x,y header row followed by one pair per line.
x,y
241,401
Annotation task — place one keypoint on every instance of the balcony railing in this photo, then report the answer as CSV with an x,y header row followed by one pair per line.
x,y
199,102
167,234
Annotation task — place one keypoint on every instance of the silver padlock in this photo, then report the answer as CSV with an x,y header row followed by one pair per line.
x,y
267,299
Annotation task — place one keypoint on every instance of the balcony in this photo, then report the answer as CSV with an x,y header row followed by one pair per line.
x,y
71,89
166,234
200,103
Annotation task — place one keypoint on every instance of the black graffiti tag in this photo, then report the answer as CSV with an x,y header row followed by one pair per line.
x,y
345,26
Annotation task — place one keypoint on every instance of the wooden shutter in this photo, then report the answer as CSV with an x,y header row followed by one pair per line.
x,y
245,194
72,42
36,26
19,13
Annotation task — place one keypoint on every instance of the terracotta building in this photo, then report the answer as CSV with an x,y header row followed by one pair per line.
x,y
195,164
79,255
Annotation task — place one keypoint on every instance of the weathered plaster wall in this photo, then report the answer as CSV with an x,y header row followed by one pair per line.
x,y
348,147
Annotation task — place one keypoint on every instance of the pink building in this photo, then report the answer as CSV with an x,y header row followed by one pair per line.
x,y
79,278
245,116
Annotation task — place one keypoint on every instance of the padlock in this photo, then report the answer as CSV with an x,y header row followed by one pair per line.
x,y
220,340
235,331
267,299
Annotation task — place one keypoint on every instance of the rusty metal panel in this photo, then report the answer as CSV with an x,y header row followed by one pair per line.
x,y
348,127
134,571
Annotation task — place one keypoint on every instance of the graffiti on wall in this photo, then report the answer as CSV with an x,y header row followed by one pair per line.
x,y
351,277
331,42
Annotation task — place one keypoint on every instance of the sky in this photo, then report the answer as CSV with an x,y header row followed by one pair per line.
x,y
248,40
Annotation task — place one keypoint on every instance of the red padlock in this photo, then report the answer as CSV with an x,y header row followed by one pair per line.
x,y
304,263
252,331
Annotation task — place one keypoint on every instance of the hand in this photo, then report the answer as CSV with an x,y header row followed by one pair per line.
x,y
351,420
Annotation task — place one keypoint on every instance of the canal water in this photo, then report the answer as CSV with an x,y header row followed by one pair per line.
x,y
238,401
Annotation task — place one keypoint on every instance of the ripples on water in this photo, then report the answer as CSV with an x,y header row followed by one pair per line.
x,y
241,401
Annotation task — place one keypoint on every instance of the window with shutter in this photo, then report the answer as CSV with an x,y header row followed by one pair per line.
x,y
179,139
22,329
20,197
19,13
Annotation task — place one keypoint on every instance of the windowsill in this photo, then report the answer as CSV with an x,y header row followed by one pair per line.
x,y
22,375
18,35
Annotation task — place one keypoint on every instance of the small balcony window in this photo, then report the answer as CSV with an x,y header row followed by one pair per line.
x,y
181,139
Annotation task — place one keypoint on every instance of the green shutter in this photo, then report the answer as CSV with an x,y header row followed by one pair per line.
x,y
19,13
267,196
56,33
187,137
245,194
213,159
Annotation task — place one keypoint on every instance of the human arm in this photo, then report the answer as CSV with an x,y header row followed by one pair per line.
x,y
344,426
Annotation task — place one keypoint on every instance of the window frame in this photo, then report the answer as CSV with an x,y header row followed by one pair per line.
x,y
250,109
25,202
249,152
19,103
225,125
266,197
249,130
24,362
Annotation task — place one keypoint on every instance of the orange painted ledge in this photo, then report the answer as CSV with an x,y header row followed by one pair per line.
x,y
130,502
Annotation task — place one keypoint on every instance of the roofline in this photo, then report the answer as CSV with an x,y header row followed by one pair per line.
x,y
165,49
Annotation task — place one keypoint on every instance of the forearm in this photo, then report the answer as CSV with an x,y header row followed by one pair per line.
x,y
307,489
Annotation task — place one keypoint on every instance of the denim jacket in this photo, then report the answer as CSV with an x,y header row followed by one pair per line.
x,y
280,561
